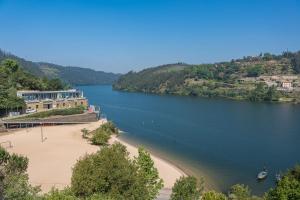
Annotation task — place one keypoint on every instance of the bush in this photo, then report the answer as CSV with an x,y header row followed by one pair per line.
x,y
55,194
186,188
288,188
212,195
148,173
102,134
13,178
110,128
85,133
100,137
254,71
110,173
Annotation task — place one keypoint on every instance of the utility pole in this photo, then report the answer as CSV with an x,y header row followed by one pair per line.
x,y
42,135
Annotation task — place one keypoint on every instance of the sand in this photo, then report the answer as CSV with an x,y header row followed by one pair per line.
x,y
51,161
168,172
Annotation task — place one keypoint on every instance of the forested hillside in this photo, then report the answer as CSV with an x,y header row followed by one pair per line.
x,y
71,75
265,77
13,78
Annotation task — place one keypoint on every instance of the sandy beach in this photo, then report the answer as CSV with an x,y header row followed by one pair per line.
x,y
51,161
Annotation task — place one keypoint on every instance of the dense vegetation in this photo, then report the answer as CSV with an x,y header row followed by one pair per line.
x,y
13,78
71,75
101,135
110,174
217,80
13,177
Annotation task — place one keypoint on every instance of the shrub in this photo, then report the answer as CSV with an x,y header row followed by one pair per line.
x,y
212,195
110,173
100,137
148,173
55,194
102,134
85,133
110,128
288,188
254,71
186,188
13,178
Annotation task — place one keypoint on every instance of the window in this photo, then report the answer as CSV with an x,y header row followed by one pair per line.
x,y
57,105
75,103
64,104
81,103
36,106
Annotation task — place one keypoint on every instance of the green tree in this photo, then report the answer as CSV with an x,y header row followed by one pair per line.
x,y
259,93
10,65
14,182
272,94
55,194
288,188
148,173
254,71
296,62
187,188
55,84
110,128
100,137
241,192
212,195
108,172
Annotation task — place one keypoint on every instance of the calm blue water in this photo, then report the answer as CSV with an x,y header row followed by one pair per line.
x,y
222,140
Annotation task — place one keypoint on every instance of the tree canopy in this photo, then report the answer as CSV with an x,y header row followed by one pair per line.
x,y
187,188
13,78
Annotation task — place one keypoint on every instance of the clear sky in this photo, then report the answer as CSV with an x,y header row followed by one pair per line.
x,y
123,35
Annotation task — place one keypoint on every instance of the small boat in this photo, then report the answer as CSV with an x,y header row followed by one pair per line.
x,y
262,175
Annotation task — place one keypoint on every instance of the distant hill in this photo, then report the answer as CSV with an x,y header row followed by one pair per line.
x,y
251,78
71,75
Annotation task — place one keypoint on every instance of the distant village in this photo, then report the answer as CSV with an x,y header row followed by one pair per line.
x,y
288,83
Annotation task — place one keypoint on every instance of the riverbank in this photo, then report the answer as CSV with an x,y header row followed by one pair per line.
x,y
51,161
186,166
167,171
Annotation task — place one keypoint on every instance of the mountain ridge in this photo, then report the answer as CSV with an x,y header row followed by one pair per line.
x,y
70,74
249,78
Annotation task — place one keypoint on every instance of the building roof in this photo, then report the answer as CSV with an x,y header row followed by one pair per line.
x,y
53,91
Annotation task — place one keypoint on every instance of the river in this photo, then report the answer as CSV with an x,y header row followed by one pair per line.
x,y
225,142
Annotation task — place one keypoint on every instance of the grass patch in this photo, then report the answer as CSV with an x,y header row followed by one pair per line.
x,y
54,112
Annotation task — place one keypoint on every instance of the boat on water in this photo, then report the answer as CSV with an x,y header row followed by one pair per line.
x,y
262,175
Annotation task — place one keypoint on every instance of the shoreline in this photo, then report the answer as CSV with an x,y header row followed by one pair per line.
x,y
62,148
200,174
168,171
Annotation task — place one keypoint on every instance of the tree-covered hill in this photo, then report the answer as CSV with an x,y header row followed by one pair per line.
x,y
71,75
251,78
13,78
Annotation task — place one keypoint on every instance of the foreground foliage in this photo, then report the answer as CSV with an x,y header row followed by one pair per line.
x,y
110,175
110,172
13,178
288,188
187,188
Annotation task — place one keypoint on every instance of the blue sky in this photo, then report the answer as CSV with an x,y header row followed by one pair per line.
x,y
123,35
